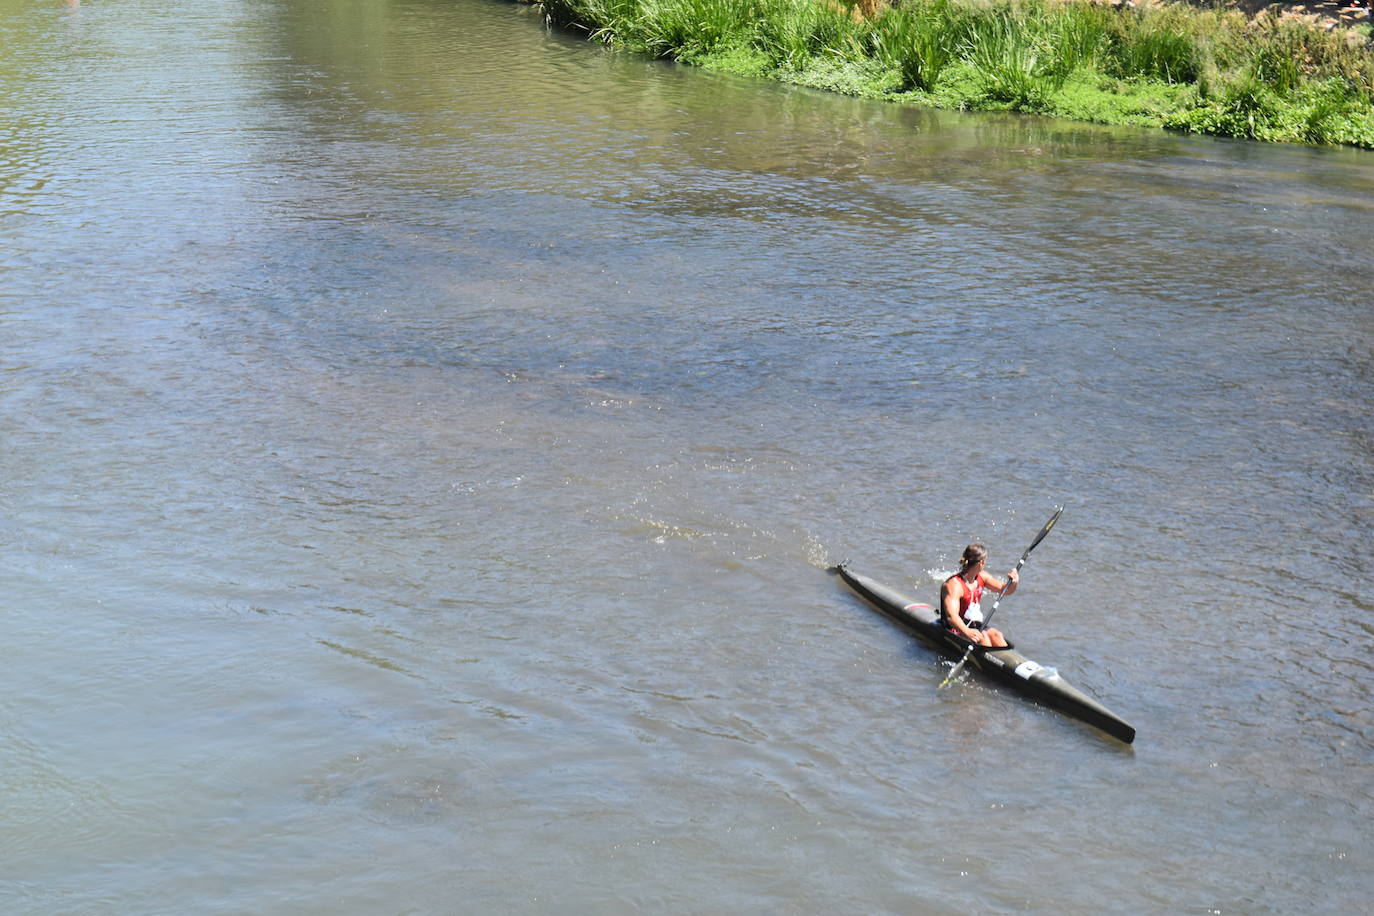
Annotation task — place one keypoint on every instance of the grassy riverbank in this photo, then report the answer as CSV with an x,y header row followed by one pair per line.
x,y
1209,71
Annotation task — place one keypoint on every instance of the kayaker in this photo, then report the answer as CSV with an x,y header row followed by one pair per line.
x,y
962,593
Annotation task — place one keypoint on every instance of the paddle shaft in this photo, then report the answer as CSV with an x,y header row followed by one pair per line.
x,y
1019,563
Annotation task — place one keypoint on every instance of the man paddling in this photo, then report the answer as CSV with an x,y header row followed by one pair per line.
x,y
961,597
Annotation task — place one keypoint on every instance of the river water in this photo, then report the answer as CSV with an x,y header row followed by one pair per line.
x,y
423,437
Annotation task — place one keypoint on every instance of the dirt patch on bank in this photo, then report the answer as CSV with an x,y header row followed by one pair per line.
x,y
1329,14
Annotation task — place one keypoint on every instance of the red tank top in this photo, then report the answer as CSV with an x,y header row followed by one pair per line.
x,y
970,596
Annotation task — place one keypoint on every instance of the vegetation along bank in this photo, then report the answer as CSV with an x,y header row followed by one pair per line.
x,y
1206,70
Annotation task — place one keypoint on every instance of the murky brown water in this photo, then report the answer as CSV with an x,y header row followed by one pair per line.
x,y
422,438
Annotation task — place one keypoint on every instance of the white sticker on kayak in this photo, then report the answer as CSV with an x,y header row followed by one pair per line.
x,y
1027,668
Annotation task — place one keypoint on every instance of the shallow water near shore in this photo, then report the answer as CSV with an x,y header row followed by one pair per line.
x,y
424,438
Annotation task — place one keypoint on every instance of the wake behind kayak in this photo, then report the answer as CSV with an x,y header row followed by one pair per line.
x,y
1005,665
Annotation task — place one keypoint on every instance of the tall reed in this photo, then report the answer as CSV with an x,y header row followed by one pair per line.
x,y
1156,46
1083,35
683,28
917,41
793,32
1014,51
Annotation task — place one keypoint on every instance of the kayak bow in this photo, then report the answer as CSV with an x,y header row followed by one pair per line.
x,y
1006,665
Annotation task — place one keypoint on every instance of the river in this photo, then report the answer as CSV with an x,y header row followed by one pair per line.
x,y
423,437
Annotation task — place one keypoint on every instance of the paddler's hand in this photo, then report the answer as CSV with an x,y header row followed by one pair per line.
x,y
1013,580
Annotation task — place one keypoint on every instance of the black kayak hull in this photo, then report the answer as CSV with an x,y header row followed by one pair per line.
x,y
1005,665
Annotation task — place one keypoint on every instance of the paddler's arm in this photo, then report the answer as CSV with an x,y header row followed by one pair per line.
x,y
1003,587
949,606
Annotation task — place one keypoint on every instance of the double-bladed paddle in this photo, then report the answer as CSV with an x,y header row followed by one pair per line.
x,y
1019,563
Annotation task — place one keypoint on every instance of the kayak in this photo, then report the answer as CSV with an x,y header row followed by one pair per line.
x,y
1006,665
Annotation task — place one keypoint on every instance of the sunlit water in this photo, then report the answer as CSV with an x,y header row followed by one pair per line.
x,y
423,437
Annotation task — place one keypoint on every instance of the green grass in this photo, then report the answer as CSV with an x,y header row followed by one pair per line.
x,y
917,43
1201,70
